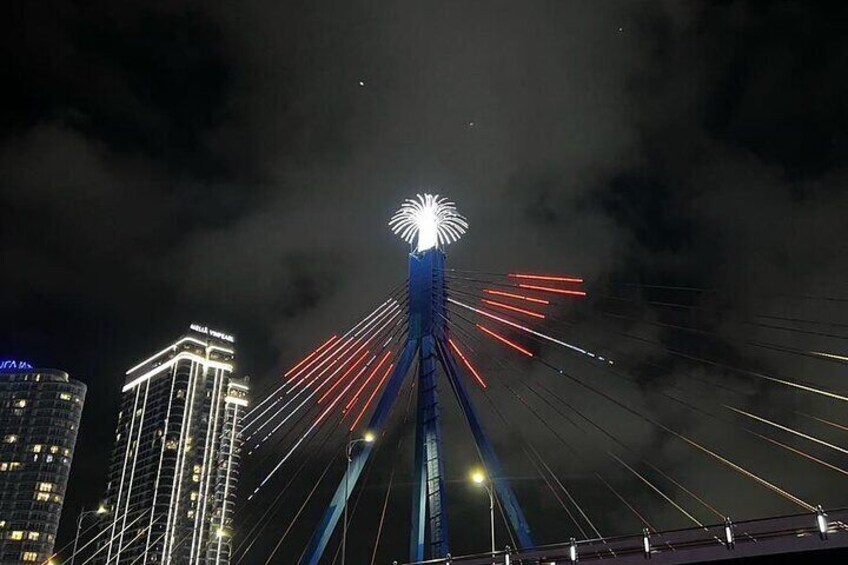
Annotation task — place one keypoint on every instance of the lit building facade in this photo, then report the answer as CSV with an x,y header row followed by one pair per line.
x,y
175,465
40,411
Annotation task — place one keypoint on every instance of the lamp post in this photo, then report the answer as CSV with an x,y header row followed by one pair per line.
x,y
479,479
367,438
100,511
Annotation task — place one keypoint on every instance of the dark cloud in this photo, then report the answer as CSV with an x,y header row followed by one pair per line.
x,y
164,162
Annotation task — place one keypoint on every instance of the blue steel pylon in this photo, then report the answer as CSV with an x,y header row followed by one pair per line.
x,y
428,335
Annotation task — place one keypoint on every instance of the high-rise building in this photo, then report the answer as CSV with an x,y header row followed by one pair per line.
x,y
40,411
175,464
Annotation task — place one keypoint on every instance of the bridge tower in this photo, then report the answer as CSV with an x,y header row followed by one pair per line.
x,y
428,222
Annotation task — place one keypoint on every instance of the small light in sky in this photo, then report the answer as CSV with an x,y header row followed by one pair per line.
x,y
620,29
362,83
471,124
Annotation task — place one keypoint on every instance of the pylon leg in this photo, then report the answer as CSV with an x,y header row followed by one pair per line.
x,y
328,524
429,467
506,496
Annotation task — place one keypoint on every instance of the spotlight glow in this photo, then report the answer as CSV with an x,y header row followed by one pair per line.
x,y
428,221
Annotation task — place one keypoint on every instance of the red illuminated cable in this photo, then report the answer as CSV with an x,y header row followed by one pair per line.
x,y
354,353
516,296
554,290
339,353
329,355
545,278
310,356
468,364
343,345
354,379
370,398
513,308
342,378
367,380
340,395
504,340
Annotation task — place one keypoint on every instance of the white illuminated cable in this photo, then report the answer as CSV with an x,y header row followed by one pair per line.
x,y
330,348
341,352
829,355
206,466
132,541
309,430
329,353
325,381
344,350
159,466
790,430
141,515
802,387
227,480
522,328
123,473
91,541
147,547
135,459
306,434
429,220
185,433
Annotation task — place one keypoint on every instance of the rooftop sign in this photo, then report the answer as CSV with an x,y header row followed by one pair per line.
x,y
7,364
212,333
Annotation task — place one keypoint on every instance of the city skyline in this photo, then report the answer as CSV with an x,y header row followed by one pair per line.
x,y
187,163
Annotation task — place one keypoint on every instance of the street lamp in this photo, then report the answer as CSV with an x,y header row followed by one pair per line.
x,y
99,511
367,438
478,477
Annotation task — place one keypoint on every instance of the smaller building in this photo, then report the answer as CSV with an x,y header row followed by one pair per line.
x,y
40,411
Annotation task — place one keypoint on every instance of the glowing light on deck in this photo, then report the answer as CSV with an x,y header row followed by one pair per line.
x,y
428,221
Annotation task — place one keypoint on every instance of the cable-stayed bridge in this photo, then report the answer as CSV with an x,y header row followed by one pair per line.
x,y
622,423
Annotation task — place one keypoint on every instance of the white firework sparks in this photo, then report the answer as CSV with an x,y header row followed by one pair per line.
x,y
430,219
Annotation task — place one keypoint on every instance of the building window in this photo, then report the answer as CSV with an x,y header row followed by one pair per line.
x,y
20,403
29,556
46,487
36,448
33,536
64,396
42,497
10,438
16,534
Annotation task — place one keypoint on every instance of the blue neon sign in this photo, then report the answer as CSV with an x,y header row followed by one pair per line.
x,y
7,364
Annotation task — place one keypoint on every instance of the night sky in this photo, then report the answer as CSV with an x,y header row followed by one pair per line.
x,y
235,164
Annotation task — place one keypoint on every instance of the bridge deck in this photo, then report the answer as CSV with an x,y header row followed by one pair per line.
x,y
770,536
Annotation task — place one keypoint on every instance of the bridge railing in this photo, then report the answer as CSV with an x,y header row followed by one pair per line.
x,y
765,536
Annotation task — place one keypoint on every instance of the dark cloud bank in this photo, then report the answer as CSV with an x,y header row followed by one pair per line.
x,y
165,162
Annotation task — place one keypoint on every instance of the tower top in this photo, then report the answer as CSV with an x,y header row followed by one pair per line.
x,y
428,221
